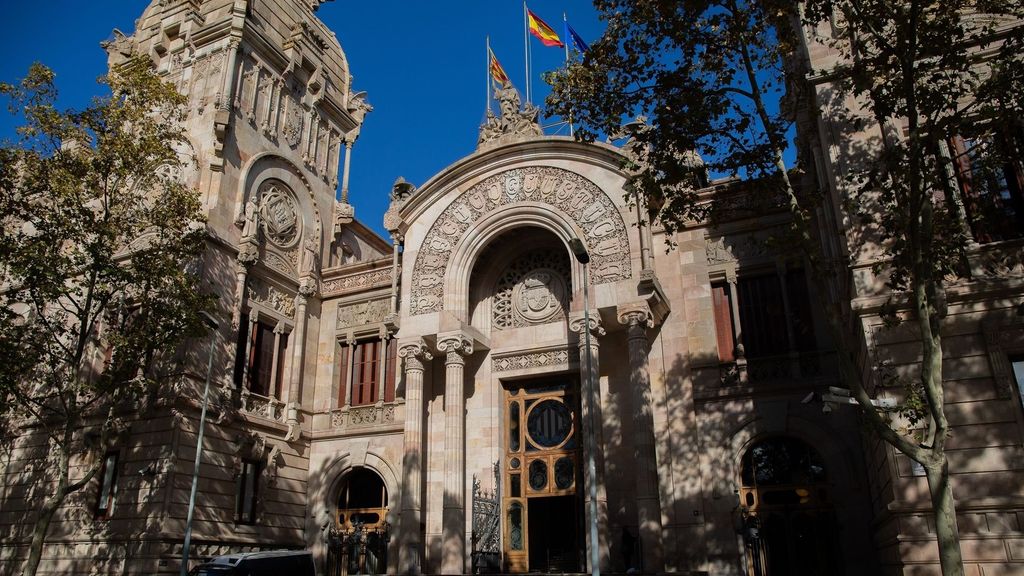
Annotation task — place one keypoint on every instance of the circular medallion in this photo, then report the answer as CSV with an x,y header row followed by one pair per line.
x,y
278,213
549,424
538,296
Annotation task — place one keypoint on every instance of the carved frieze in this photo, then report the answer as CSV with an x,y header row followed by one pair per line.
x,y
262,293
532,359
355,282
593,211
722,250
358,314
363,416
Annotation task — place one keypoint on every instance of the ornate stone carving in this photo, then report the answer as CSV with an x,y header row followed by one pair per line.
x,y
596,329
292,130
455,347
278,262
415,354
355,282
737,248
604,230
369,312
535,359
363,416
533,290
279,214
513,123
267,295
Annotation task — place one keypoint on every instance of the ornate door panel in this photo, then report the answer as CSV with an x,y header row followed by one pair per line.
x,y
541,459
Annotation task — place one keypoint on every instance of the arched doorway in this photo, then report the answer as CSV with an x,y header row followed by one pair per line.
x,y
788,521
358,541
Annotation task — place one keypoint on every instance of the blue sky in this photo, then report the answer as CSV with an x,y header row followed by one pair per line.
x,y
422,65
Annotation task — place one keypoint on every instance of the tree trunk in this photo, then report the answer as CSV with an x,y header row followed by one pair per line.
x,y
945,518
42,526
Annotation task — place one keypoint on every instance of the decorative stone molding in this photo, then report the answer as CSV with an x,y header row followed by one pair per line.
x,y
380,277
350,417
262,293
557,358
361,313
605,233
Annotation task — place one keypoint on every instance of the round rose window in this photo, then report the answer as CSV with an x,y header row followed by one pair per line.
x,y
549,424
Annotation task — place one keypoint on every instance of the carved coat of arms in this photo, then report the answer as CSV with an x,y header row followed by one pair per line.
x,y
278,214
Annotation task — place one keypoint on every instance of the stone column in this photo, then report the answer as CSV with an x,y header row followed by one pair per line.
x,y
577,326
410,534
307,288
648,505
456,348
737,328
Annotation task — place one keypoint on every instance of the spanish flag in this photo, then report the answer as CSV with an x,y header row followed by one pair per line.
x,y
497,72
542,31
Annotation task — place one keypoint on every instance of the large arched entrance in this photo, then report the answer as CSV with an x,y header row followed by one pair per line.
x,y
789,524
359,538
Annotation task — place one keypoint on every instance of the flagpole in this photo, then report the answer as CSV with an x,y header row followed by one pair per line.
x,y
487,73
568,38
526,49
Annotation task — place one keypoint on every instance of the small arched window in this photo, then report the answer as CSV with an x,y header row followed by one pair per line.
x,y
363,501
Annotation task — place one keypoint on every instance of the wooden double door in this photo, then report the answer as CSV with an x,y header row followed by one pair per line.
x,y
541,506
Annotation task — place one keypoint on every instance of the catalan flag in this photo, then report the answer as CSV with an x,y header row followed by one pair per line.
x,y
542,31
497,72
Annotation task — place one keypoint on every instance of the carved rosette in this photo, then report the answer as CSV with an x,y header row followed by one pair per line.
x,y
592,210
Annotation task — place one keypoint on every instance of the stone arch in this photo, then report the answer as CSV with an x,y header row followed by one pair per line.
x,y
557,199
832,449
322,500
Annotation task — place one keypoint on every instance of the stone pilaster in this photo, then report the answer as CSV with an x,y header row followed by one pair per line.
x,y
306,289
410,534
456,348
648,507
590,374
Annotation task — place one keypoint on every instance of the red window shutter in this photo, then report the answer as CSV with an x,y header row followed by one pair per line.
x,y
723,322
343,364
389,370
264,360
366,366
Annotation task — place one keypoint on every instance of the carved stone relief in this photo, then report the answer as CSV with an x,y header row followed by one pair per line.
x,y
262,293
368,312
380,276
279,214
535,359
292,122
737,248
604,230
533,290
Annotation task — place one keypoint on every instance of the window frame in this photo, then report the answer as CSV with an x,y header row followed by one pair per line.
x,y
106,493
247,490
1009,209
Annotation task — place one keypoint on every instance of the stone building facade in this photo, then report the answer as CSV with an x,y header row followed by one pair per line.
x,y
422,404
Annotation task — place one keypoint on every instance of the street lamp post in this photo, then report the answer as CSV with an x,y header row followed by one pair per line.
x,y
209,320
580,252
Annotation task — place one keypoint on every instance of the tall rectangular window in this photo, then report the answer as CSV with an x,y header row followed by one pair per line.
x,y
260,356
722,303
762,316
366,372
108,485
991,178
245,493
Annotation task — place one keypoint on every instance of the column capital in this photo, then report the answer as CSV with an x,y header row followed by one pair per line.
x,y
576,324
637,315
456,347
415,350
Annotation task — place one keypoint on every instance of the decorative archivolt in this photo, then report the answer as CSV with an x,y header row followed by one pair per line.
x,y
587,205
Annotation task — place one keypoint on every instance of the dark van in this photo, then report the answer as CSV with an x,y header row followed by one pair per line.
x,y
273,563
